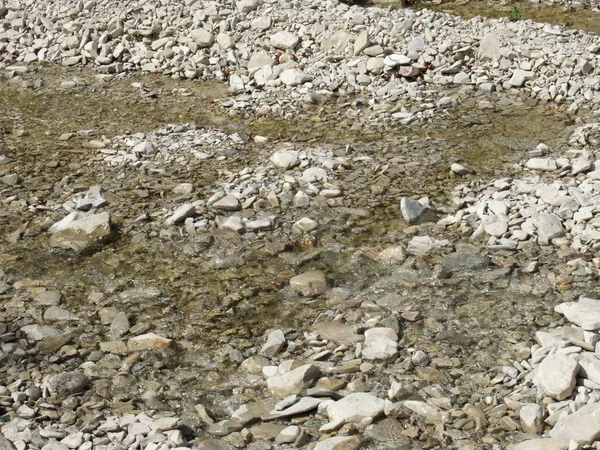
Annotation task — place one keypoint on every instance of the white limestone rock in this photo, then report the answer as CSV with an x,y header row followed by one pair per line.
x,y
585,313
381,344
557,375
356,407
293,382
582,426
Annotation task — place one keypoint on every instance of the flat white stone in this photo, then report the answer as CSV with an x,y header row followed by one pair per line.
x,y
582,426
585,313
381,344
356,407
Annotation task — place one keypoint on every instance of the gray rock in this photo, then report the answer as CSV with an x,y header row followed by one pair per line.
x,y
293,77
274,345
67,383
202,37
532,418
549,226
585,313
285,159
381,345
415,212
340,442
309,283
40,332
180,214
489,47
81,233
459,262
228,203
362,42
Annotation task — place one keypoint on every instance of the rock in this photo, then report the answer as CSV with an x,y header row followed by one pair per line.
x,y
180,214
58,314
225,41
145,149
202,37
362,42
396,59
246,6
5,444
338,332
424,245
305,225
40,332
293,77
415,212
293,382
549,226
585,313
395,254
304,405
541,444
53,445
119,325
309,283
489,47
519,77
67,383
381,345
274,345
339,443
459,169
80,234
285,159
149,341
284,40
259,60
356,407
228,203
532,418
459,262
288,435
582,426
557,375
541,164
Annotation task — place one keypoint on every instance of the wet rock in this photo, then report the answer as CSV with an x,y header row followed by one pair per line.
x,y
459,262
339,443
149,341
274,345
293,382
40,332
415,212
309,283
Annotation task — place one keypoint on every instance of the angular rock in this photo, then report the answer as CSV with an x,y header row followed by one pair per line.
x,y
381,345
285,159
356,407
585,313
275,343
284,40
149,341
82,233
532,418
582,426
557,375
415,212
339,443
309,283
180,214
67,383
293,382
541,444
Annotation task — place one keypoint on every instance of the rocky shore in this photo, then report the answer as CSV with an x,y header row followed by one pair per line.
x,y
279,224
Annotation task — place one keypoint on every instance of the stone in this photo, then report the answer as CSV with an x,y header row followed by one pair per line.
x,y
228,203
459,169
356,407
225,41
585,313
53,445
119,326
293,77
557,375
541,444
532,418
5,444
149,341
395,254
258,60
285,159
202,37
304,405
293,382
361,42
284,40
381,345
246,6
80,234
338,42
274,345
425,245
519,77
396,59
549,226
309,283
415,212
58,314
305,225
465,262
489,47
40,332
288,435
339,443
582,426
180,214
541,164
67,383
338,331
